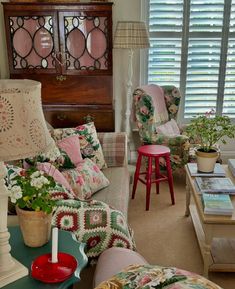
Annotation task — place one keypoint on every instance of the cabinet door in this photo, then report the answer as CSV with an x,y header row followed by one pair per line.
x,y
32,44
86,42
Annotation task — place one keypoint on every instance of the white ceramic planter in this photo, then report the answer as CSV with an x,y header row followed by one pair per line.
x,y
206,161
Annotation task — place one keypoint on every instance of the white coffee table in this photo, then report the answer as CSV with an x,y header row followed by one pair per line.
x,y
215,233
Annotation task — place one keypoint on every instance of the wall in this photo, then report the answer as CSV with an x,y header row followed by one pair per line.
x,y
122,10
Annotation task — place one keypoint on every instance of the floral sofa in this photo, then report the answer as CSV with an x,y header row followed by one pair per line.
x,y
155,111
92,201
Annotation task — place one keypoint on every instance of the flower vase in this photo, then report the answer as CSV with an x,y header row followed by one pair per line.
x,y
35,227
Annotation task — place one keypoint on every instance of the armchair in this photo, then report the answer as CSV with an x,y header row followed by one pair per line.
x,y
155,111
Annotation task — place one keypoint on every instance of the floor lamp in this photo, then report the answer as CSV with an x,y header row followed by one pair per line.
x,y
23,133
130,35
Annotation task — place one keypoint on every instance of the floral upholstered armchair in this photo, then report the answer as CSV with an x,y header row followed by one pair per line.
x,y
155,111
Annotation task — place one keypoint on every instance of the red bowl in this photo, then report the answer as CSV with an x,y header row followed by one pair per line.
x,y
44,270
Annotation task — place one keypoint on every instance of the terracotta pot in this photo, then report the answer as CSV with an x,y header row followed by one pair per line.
x,y
206,160
35,227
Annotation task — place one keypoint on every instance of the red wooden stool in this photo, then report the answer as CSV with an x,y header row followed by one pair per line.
x,y
153,152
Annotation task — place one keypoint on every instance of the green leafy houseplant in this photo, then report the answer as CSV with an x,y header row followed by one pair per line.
x,y
209,129
30,190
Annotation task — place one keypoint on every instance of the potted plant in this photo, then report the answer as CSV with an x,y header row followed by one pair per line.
x,y
207,130
30,192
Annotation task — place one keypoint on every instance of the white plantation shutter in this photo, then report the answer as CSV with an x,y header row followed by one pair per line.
x,y
193,47
204,50
165,29
229,89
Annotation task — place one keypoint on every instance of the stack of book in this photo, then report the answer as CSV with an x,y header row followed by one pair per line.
x,y
218,171
231,166
214,185
217,204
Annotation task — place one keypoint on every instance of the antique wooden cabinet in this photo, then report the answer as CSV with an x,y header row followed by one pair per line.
x,y
68,48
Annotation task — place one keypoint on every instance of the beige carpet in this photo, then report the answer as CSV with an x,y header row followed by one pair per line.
x,y
164,235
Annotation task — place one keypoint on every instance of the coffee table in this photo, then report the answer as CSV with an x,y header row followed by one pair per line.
x,y
215,233
26,255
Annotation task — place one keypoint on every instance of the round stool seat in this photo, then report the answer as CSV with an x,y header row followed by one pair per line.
x,y
153,150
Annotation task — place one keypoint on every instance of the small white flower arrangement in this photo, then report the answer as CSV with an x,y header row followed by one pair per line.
x,y
30,190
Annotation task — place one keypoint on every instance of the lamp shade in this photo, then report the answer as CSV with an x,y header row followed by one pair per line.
x,y
23,130
131,34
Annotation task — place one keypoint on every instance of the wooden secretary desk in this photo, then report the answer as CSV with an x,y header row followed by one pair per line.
x,y
68,48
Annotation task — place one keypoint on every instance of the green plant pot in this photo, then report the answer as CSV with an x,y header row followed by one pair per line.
x,y
206,160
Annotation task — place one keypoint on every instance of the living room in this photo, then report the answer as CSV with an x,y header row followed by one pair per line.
x,y
163,235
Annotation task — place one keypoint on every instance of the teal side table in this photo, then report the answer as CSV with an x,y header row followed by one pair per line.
x,y
66,243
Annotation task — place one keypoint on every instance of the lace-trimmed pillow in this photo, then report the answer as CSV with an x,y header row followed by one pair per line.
x,y
169,128
90,146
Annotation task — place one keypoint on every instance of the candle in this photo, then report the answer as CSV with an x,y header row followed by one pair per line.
x,y
54,255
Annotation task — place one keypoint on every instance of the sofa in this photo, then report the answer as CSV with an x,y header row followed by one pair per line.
x,y
114,146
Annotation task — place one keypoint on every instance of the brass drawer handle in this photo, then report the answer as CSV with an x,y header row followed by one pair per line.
x,y
61,77
88,118
61,116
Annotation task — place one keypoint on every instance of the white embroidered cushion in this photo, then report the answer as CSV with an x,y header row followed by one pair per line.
x,y
169,128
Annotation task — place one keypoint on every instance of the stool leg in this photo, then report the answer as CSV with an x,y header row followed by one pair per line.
x,y
157,173
170,179
137,173
148,182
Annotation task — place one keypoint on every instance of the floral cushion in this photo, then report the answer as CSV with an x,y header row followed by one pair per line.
x,y
156,277
89,143
86,179
94,223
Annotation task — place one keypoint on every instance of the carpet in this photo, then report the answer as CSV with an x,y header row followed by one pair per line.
x,y
163,235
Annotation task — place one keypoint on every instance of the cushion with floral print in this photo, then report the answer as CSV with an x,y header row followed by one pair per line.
x,y
156,277
94,223
86,179
90,146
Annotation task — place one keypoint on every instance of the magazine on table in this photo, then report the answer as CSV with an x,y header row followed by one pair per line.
x,y
217,204
218,171
214,185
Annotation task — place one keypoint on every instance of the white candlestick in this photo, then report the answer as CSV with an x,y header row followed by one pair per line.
x,y
54,255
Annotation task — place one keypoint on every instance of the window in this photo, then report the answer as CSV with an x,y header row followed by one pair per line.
x,y
193,47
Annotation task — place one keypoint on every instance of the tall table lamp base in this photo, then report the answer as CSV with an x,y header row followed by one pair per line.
x,y
14,273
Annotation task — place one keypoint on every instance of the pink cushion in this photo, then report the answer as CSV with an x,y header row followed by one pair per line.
x,y
71,145
157,94
169,128
49,169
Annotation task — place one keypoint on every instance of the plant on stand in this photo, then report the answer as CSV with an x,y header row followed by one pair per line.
x,y
30,192
207,130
